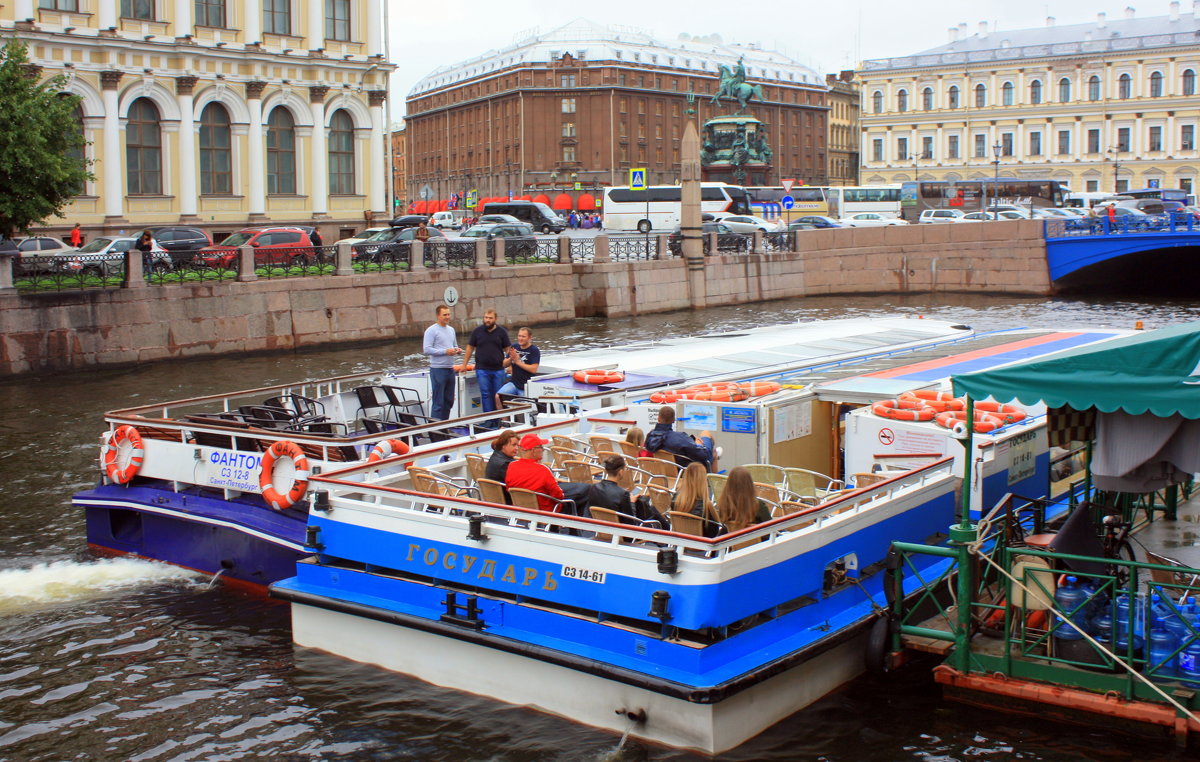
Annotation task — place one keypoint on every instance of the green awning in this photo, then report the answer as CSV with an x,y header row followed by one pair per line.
x,y
1156,372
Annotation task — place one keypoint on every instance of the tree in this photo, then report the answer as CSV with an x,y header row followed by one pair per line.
x,y
40,143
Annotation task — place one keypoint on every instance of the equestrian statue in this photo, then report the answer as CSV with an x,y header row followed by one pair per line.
x,y
734,85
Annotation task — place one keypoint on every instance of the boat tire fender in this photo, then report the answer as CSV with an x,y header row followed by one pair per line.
x,y
878,642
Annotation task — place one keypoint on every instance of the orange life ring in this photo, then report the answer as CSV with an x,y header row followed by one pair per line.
x,y
460,368
985,422
124,444
386,449
1010,413
266,478
939,401
759,388
597,376
903,410
670,395
736,394
717,386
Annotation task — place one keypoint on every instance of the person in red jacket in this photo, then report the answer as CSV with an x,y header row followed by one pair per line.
x,y
527,472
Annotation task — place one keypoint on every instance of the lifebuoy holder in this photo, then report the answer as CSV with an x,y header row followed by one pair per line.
x,y
388,448
122,455
283,461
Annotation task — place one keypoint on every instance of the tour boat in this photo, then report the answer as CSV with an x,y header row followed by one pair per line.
x,y
665,635
220,483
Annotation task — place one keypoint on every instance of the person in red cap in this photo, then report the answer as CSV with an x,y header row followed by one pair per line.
x,y
527,472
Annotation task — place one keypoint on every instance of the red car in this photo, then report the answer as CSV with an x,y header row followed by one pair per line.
x,y
272,246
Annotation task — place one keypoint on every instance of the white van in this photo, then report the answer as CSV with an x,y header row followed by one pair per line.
x,y
452,219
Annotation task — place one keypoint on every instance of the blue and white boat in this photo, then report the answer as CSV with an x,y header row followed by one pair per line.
x,y
220,483
673,638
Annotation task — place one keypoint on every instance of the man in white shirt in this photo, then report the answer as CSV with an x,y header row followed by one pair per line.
x,y
441,346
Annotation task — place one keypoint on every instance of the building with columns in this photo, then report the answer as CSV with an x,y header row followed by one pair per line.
x,y
843,127
1102,106
216,113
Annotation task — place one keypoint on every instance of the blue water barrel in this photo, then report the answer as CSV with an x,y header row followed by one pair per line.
x,y
1071,600
1189,661
1162,664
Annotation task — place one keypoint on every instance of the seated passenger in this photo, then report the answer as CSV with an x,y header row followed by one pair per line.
x,y
607,493
527,472
692,496
739,507
637,438
685,447
504,451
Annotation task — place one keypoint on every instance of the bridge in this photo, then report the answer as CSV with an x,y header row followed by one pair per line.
x,y
1130,253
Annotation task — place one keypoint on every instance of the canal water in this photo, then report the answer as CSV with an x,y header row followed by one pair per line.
x,y
128,660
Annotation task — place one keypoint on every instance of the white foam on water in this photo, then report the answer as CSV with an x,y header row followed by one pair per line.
x,y
61,581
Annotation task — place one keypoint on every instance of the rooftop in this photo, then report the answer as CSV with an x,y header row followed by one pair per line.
x,y
588,41
1103,35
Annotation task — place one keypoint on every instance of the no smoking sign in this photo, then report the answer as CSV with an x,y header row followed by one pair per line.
x,y
887,436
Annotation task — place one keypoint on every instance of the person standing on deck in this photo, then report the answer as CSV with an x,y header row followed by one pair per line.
x,y
491,342
441,346
522,361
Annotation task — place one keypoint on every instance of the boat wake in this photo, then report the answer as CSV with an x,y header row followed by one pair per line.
x,y
63,581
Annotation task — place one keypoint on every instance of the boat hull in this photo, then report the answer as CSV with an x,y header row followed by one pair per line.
x,y
243,542
709,720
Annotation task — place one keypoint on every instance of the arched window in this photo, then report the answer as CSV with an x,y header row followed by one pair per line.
x,y
1064,90
1035,92
877,102
1094,88
143,149
1156,80
1189,82
341,154
927,99
902,100
1006,93
281,152
980,95
1124,85
953,96
216,157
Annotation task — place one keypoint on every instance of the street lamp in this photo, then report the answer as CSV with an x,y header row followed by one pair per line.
x,y
1115,154
996,181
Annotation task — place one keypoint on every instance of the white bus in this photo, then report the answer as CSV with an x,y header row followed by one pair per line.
x,y
852,199
658,207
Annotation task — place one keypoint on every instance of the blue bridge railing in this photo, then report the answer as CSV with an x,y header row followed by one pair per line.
x,y
1175,222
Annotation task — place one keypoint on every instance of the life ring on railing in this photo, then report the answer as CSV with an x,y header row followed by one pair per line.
x,y
903,410
266,478
125,444
939,401
386,449
670,395
597,376
1010,413
760,388
716,386
985,423
734,394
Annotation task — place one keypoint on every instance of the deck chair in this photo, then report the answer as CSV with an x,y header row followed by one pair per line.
x,y
492,491
559,440
581,471
267,417
686,523
866,480
602,446
374,402
666,471
560,455
768,492
660,497
765,473
527,498
716,485
812,484
476,466
604,514
434,483
628,449
305,408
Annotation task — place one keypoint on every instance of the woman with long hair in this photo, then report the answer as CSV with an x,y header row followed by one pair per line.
x,y
504,449
692,497
637,438
739,507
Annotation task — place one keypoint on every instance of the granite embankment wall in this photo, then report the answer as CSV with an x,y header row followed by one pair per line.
x,y
79,329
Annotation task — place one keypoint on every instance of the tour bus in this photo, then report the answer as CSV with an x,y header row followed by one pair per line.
x,y
852,199
658,207
976,195
807,199
1162,194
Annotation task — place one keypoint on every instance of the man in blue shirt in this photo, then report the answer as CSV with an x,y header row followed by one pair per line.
x,y
523,360
683,446
490,343
441,346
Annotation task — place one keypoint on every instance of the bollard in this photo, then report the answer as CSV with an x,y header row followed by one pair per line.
x,y
564,250
756,243
246,271
661,247
134,271
481,257
499,260
7,261
343,263
711,244
416,256
601,250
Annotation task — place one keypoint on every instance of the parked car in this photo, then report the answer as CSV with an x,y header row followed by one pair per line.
x,y
533,213
498,218
870,220
452,220
272,245
410,220
36,252
519,238
813,221
989,215
181,242
745,223
385,245
675,240
940,215
105,256
1053,213
360,236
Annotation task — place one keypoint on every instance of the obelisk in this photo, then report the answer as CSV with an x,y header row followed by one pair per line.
x,y
689,218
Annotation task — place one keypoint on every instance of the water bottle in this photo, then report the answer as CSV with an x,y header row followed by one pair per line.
x,y
1160,613
1163,664
1102,628
1069,599
1189,661
1128,611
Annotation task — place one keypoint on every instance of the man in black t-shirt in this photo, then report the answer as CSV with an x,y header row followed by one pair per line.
x,y
489,343
523,360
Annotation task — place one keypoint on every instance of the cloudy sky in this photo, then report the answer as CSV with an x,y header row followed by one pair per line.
x,y
827,36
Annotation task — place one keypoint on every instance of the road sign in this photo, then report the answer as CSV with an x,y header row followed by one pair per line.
x,y
787,185
788,202
637,179
426,192
472,199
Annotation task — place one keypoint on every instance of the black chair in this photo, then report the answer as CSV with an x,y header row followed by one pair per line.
x,y
375,398
305,408
267,417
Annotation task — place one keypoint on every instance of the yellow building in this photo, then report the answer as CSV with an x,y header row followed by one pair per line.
x,y
219,113
843,128
1102,106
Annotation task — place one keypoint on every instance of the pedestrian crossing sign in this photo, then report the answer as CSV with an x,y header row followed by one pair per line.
x,y
637,179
